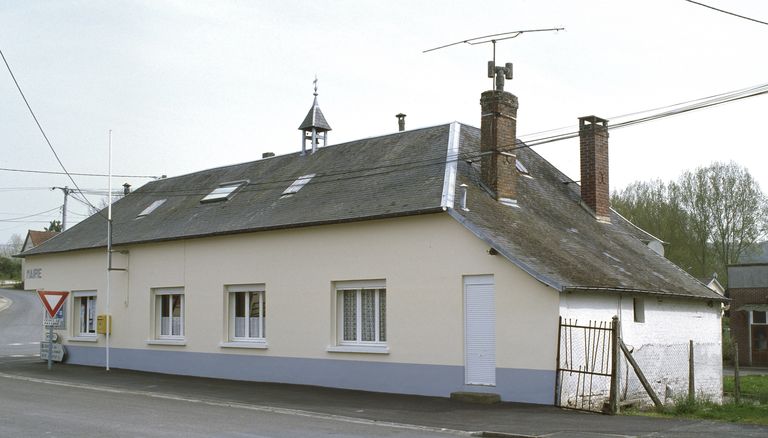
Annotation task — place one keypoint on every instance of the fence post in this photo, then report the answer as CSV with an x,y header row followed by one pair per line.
x,y
691,376
736,377
614,396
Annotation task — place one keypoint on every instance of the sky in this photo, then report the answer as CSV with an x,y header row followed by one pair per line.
x,y
189,85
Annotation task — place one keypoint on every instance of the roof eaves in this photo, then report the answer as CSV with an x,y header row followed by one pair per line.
x,y
501,250
714,297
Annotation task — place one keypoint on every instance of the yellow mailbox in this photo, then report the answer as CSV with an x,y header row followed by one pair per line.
x,y
104,324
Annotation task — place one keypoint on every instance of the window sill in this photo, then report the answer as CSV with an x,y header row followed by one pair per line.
x,y
256,345
166,342
370,349
83,339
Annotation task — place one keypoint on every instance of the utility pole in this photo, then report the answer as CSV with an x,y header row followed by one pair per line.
x,y
66,190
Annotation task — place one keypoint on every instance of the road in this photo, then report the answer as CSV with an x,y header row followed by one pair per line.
x,y
32,409
21,324
80,401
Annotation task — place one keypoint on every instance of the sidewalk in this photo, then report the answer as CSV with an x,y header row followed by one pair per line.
x,y
508,419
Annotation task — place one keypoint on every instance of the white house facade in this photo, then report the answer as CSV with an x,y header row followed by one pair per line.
x,y
427,262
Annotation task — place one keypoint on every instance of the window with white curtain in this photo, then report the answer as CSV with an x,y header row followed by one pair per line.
x,y
362,312
169,313
247,312
85,313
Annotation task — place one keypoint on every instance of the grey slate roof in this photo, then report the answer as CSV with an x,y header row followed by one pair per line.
x,y
315,119
365,179
549,234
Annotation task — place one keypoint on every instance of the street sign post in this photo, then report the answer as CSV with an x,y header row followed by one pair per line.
x,y
52,301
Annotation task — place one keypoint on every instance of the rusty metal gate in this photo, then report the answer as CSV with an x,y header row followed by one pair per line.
x,y
586,363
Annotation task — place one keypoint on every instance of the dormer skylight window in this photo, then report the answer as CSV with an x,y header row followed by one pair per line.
x,y
297,185
521,168
223,192
152,207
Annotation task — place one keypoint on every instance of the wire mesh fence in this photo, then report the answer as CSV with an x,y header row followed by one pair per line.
x,y
672,373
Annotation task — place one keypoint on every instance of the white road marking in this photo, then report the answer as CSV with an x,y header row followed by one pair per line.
x,y
34,343
259,408
15,344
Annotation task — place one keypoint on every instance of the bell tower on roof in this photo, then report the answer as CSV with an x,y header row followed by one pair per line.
x,y
314,127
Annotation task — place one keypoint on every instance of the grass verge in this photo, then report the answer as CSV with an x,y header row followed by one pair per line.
x,y
752,409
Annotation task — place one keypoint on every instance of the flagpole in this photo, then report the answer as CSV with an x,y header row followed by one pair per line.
x,y
108,321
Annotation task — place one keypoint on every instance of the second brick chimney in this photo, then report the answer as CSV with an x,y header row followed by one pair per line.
x,y
498,129
593,136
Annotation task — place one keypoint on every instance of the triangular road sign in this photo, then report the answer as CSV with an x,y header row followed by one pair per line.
x,y
52,300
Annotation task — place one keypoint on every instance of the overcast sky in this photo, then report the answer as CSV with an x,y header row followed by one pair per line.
x,y
189,85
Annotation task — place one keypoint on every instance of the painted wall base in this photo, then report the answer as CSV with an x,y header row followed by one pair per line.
x,y
514,385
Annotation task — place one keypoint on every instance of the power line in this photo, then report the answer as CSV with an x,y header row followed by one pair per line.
x,y
39,126
53,172
29,215
726,12
409,164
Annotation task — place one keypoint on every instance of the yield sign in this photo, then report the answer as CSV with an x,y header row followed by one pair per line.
x,y
52,300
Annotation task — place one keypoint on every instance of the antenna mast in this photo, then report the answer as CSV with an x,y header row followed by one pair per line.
x,y
493,38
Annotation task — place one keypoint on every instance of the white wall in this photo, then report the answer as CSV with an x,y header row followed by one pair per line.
x,y
660,344
422,259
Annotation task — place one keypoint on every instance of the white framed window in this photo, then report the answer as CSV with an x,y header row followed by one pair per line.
x,y
247,312
361,309
759,317
169,313
84,313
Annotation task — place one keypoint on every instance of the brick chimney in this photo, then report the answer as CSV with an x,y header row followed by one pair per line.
x,y
498,128
593,136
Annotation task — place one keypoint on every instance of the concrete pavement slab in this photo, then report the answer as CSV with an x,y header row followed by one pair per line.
x,y
512,419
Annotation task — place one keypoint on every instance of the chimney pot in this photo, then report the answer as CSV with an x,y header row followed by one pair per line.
x,y
267,155
498,134
400,122
593,141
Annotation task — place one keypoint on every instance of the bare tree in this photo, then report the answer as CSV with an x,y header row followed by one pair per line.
x,y
710,217
15,242
739,210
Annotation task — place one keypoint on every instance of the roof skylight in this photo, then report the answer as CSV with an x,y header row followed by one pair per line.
x,y
223,191
297,185
520,167
152,207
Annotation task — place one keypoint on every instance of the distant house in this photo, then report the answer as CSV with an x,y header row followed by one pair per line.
x,y
35,238
426,261
748,289
712,283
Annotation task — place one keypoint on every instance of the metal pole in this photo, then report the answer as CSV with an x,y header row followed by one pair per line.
x,y
108,320
50,343
64,212
66,190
